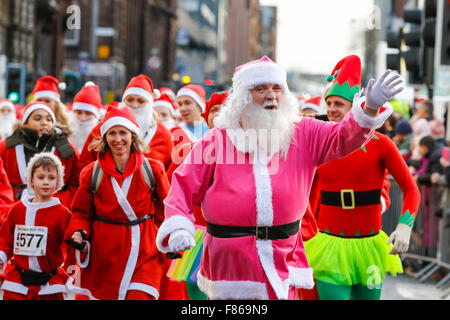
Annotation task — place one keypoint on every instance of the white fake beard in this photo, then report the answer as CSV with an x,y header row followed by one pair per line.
x,y
7,125
169,123
80,131
144,117
269,130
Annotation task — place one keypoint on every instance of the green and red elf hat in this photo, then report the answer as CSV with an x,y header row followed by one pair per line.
x,y
345,79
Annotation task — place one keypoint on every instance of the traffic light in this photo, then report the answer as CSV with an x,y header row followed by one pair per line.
x,y
443,32
15,82
413,56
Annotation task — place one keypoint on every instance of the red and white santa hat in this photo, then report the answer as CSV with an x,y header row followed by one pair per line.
x,y
169,92
88,99
196,92
312,103
142,85
47,87
33,106
165,102
53,158
119,117
6,103
217,98
259,72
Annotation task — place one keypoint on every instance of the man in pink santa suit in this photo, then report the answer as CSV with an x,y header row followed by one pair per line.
x,y
252,175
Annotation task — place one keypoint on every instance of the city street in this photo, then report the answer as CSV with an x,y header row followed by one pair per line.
x,y
404,287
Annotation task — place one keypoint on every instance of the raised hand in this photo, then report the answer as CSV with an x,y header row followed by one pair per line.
x,y
378,93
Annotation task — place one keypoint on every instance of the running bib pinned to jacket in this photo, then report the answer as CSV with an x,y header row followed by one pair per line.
x,y
30,240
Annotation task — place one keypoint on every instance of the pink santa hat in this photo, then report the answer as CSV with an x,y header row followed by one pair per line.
x,y
259,72
88,99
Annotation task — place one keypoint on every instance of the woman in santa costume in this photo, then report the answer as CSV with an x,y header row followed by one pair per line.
x,y
86,112
191,103
37,134
33,234
240,171
46,91
138,98
165,108
119,220
350,254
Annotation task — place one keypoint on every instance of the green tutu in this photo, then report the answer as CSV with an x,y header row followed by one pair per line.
x,y
347,262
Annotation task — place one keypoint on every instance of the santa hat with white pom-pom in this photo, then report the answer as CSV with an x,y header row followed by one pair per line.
x,y
88,99
48,87
142,85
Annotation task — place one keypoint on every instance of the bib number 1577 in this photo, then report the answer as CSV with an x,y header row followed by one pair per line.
x,y
30,240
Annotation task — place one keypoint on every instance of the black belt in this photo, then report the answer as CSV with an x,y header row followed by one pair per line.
x,y
349,199
34,278
261,232
129,223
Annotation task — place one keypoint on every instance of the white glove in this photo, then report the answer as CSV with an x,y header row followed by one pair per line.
x,y
382,91
180,240
400,237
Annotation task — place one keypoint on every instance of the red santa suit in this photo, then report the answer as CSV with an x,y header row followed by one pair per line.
x,y
6,192
51,215
129,251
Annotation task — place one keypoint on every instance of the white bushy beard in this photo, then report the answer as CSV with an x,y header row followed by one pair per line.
x,y
80,131
144,117
169,123
7,125
274,128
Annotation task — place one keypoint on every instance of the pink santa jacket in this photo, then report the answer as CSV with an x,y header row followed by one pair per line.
x,y
256,193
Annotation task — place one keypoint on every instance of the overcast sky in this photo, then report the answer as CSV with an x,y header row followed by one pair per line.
x,y
313,35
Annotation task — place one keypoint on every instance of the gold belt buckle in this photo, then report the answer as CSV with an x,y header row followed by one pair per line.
x,y
266,228
352,193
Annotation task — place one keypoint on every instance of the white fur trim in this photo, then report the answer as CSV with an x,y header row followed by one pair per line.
x,y
121,195
55,159
170,225
144,288
367,121
118,121
264,217
301,277
260,73
52,289
193,95
310,106
3,257
139,92
47,94
15,287
8,104
232,290
34,107
86,107
383,205
164,104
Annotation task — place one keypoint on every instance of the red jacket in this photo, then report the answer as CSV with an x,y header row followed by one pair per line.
x,y
49,214
129,252
6,192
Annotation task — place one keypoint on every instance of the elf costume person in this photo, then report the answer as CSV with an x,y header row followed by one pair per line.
x,y
351,255
252,248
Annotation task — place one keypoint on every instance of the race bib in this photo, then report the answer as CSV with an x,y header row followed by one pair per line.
x,y
30,240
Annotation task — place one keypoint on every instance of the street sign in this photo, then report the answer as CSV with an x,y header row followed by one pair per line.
x,y
105,32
